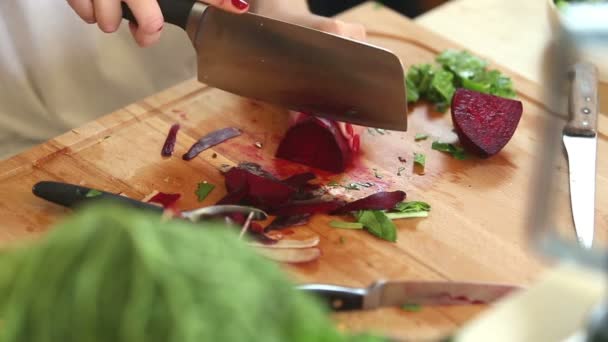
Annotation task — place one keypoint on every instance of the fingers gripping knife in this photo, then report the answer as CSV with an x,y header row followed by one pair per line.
x,y
292,66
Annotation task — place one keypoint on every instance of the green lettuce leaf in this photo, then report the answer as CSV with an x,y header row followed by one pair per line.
x,y
377,223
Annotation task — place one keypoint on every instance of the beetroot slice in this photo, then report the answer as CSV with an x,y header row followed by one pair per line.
x,y
168,201
377,201
307,207
317,143
210,140
169,145
255,190
484,123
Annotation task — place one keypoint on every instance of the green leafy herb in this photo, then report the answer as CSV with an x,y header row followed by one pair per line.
x,y
371,131
456,69
455,151
442,90
346,225
461,63
333,184
400,216
203,190
377,223
421,136
423,81
412,92
93,193
366,184
376,174
352,186
413,206
419,159
410,210
411,307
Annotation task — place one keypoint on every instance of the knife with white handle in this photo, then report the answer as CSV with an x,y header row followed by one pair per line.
x,y
580,141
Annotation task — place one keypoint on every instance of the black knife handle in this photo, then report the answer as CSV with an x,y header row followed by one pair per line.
x,y
338,298
73,196
175,12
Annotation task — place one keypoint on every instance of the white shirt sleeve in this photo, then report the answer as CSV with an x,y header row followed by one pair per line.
x,y
56,72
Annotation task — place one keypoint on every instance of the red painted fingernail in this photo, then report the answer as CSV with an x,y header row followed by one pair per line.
x,y
240,4
349,129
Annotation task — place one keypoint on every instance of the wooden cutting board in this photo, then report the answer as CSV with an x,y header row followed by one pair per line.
x,y
476,230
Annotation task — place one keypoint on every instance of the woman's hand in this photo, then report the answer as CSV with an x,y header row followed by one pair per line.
x,y
108,15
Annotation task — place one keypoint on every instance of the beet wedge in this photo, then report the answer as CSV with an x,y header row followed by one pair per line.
x,y
484,123
318,143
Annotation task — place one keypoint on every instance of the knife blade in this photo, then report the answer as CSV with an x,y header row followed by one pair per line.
x,y
292,66
580,142
399,293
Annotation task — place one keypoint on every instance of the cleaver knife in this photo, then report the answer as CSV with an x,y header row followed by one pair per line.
x,y
400,293
580,142
292,66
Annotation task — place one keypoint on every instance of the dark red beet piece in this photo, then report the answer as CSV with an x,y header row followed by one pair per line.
x,y
377,201
484,123
257,170
258,191
299,180
169,145
168,201
307,207
317,143
210,140
234,197
283,222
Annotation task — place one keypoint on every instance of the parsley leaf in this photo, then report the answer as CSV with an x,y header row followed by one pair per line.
x,y
93,193
203,190
413,206
377,223
410,210
421,136
456,152
455,69
423,81
419,159
461,63
346,225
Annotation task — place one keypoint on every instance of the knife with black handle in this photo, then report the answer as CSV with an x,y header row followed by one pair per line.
x,y
302,69
73,196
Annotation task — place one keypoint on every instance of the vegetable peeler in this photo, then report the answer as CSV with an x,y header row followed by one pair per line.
x,y
73,196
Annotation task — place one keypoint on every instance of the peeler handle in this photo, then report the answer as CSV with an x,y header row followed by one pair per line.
x,y
175,12
73,196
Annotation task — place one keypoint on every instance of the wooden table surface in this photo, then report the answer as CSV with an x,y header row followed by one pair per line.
x,y
475,232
